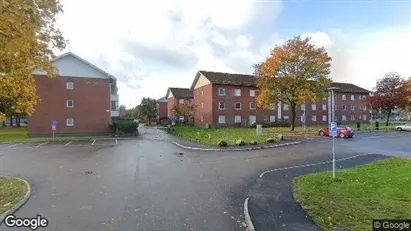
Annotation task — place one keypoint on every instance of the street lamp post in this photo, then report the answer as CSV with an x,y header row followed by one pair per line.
x,y
331,113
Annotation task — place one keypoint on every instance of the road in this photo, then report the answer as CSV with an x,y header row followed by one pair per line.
x,y
149,184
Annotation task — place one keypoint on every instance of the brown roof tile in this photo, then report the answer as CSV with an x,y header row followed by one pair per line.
x,y
181,92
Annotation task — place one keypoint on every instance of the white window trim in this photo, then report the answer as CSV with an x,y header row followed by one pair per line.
x,y
179,101
219,121
324,118
344,97
219,105
68,124
202,93
286,107
252,95
352,107
255,106
352,117
303,106
286,117
202,118
67,85
236,107
314,107
72,103
324,107
344,118
219,92
314,118
235,92
353,97
237,117
202,105
254,116
272,116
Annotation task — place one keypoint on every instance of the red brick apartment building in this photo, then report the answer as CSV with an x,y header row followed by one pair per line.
x,y
82,99
224,99
162,108
177,96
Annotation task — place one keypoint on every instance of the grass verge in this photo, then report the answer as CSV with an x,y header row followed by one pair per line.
x,y
13,134
12,190
379,190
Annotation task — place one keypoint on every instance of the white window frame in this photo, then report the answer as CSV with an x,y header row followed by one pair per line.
x,y
303,106
324,107
221,119
236,119
202,105
249,119
181,118
72,103
271,118
255,106
237,92
324,118
314,118
69,84
335,107
352,117
235,106
352,107
352,97
69,124
286,117
180,101
365,108
359,107
252,93
344,97
364,117
273,106
202,92
286,107
360,97
221,91
219,104
313,107
344,118
202,118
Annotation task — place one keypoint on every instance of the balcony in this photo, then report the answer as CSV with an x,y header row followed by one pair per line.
x,y
115,113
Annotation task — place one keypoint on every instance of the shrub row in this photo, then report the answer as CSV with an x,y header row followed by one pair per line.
x,y
123,128
273,124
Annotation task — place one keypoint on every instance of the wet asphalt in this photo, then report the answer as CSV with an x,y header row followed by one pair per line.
x,y
150,184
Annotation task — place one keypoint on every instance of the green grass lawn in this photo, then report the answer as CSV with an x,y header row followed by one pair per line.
x,y
19,134
379,190
12,190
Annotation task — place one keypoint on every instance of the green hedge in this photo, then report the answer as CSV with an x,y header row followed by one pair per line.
x,y
273,124
123,127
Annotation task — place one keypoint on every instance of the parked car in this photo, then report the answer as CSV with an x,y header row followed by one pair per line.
x,y
405,127
342,131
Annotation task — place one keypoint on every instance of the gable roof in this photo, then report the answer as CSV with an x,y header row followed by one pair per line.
x,y
163,99
85,62
222,78
180,92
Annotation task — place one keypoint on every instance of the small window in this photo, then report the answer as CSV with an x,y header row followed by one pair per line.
x,y
237,119
252,93
221,119
352,97
202,92
221,105
202,118
272,118
202,105
335,107
364,108
286,117
303,106
237,106
324,118
285,107
70,103
324,107
314,107
252,106
69,85
192,101
181,101
252,119
364,117
314,118
237,92
344,107
221,91
181,118
343,97
352,107
360,107
344,118
69,122
352,117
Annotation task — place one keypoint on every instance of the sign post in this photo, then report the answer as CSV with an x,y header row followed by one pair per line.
x,y
53,126
333,133
303,119
259,129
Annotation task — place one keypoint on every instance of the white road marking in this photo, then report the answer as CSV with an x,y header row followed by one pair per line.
x,y
68,143
14,145
308,165
93,142
41,144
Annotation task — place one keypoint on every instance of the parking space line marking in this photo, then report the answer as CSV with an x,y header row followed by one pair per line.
x,y
41,144
12,146
116,141
68,143
93,142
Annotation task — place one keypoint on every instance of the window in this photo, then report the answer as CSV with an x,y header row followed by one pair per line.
x,y
324,118
286,117
237,119
352,117
252,106
221,105
202,92
303,106
324,107
335,107
237,92
202,118
70,103
70,85
344,118
202,105
252,119
252,93
364,117
272,118
352,107
192,101
181,101
221,91
344,107
69,122
285,107
314,118
221,119
352,97
182,118
364,108
343,97
272,106
360,97
114,105
237,106
313,107
360,107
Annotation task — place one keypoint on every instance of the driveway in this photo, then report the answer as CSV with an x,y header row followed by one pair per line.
x,y
146,184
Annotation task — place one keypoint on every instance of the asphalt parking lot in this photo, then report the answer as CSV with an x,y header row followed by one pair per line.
x,y
67,144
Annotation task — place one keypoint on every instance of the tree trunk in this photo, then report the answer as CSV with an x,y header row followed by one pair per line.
x,y
4,123
11,121
149,120
293,115
18,121
388,117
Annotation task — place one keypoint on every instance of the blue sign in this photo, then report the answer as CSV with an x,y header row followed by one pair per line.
x,y
303,118
333,129
53,125
173,119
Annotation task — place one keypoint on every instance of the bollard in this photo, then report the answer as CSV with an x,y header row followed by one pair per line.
x,y
377,125
358,126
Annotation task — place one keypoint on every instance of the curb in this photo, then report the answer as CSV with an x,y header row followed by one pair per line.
x,y
19,204
250,226
236,149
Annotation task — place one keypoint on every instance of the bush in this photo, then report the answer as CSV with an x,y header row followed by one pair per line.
x,y
273,124
240,142
123,127
222,143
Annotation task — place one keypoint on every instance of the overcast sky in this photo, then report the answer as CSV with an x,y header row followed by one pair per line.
x,y
152,45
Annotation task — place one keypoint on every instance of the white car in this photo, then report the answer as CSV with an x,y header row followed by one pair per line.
x,y
405,127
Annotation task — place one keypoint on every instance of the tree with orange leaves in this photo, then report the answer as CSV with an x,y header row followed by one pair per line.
x,y
293,73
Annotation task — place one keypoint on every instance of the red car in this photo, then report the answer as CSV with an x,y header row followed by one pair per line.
x,y
342,131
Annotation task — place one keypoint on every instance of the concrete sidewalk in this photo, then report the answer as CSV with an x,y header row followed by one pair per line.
x,y
271,203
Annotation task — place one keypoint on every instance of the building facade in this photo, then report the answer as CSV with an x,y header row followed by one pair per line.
x,y
162,108
81,99
224,99
178,96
